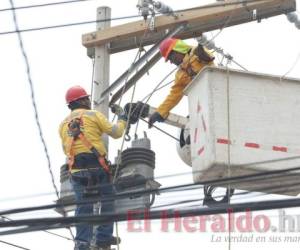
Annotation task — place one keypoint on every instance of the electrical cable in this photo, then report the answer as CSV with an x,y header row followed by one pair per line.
x,y
148,97
77,1
127,127
242,193
225,24
123,140
172,175
222,181
37,119
129,71
275,189
117,18
67,25
161,130
44,223
292,67
43,5
13,245
48,232
163,86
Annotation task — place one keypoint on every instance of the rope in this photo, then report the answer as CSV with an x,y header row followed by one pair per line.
x,y
138,54
128,117
120,150
37,119
148,97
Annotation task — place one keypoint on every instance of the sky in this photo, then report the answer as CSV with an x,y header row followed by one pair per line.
x,y
58,60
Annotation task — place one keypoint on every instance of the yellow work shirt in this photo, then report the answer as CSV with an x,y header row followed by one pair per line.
x,y
191,63
94,124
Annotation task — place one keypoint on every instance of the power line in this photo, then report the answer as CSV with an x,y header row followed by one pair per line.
x,y
55,234
42,223
42,5
222,181
37,120
169,176
274,189
13,245
66,25
118,18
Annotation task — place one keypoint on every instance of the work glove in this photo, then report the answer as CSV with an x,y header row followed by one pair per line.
x,y
155,117
138,110
122,115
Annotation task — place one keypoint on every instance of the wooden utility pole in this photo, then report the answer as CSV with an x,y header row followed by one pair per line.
x,y
102,66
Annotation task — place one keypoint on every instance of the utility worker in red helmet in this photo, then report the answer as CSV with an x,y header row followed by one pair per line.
x,y
81,133
190,60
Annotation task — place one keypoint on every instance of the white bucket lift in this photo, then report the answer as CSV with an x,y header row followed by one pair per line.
x,y
249,117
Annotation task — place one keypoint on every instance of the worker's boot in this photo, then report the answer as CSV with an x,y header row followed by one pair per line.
x,y
106,244
80,245
115,240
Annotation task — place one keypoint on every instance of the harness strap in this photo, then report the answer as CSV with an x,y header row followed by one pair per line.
x,y
187,67
86,143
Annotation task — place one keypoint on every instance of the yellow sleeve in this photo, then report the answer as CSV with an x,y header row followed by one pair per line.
x,y
113,130
61,131
175,94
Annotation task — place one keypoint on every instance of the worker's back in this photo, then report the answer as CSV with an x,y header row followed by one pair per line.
x,y
93,125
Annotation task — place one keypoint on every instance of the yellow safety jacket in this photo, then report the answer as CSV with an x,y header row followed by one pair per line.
x,y
94,124
190,66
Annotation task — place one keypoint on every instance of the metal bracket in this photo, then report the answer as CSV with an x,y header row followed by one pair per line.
x,y
134,66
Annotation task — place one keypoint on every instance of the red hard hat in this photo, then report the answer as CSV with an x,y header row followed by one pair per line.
x,y
74,93
166,47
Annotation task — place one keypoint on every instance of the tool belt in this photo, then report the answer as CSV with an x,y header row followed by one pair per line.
x,y
91,183
84,161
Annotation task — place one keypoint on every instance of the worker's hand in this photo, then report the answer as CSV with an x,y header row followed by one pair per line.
x,y
137,110
122,116
155,117
117,110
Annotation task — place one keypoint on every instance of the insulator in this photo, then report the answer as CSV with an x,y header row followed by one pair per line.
x,y
292,17
163,8
144,8
210,45
202,39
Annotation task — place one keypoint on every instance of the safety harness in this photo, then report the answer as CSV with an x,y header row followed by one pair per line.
x,y
75,127
203,56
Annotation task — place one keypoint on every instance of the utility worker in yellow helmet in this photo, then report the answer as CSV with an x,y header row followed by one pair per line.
x,y
190,61
81,133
